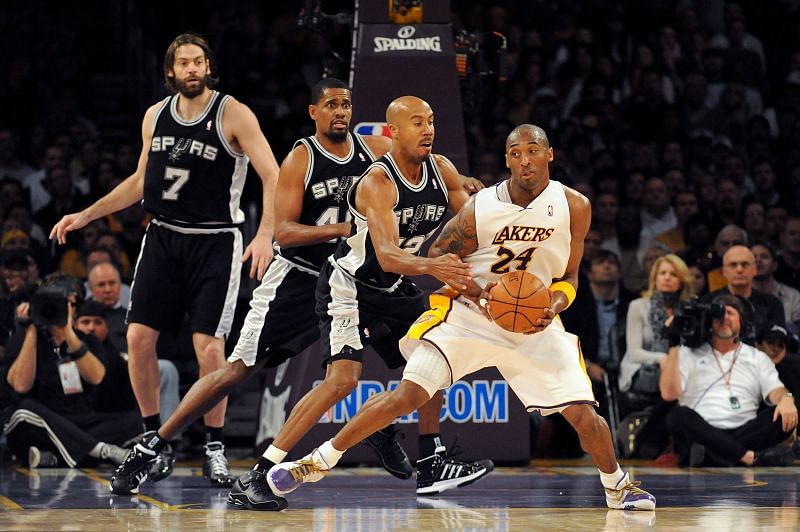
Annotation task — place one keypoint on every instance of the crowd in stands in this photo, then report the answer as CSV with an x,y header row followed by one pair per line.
x,y
679,120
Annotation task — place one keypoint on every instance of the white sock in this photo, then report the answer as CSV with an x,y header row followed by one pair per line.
x,y
330,454
96,450
610,480
274,455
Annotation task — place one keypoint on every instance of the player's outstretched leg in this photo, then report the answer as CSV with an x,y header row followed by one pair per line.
x,y
622,493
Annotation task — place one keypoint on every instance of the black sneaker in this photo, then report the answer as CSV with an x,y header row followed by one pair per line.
x,y
778,455
133,471
390,453
163,465
438,473
252,492
215,465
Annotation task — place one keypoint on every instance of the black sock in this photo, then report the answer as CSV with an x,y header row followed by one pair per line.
x,y
154,442
213,434
263,464
152,422
428,443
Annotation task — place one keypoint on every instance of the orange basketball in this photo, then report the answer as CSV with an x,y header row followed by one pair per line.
x,y
518,299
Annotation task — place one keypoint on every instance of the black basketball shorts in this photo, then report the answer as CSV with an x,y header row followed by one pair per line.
x,y
187,271
281,321
353,315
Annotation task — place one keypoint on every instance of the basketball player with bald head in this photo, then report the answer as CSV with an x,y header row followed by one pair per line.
x,y
364,298
528,223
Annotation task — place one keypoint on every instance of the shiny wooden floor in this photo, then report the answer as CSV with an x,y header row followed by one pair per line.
x,y
543,496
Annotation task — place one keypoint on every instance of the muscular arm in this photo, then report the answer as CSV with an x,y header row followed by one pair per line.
x,y
240,122
460,237
455,182
580,212
375,198
22,373
123,195
669,382
291,186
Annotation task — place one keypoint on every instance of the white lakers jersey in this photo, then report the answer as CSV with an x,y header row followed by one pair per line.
x,y
535,238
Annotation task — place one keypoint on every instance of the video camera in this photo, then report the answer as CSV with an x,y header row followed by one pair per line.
x,y
693,321
48,306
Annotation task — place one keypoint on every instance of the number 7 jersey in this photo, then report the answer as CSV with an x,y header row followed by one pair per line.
x,y
193,176
535,238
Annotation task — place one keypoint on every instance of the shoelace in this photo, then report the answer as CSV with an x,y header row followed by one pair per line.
x,y
303,469
632,486
218,462
258,482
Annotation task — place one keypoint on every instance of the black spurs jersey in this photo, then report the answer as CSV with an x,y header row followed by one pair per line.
x,y
193,176
327,180
419,211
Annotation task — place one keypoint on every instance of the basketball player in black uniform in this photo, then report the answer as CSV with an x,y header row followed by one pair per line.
x,y
363,297
196,148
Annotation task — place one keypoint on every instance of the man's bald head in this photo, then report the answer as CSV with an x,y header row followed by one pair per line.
x,y
405,107
105,284
529,131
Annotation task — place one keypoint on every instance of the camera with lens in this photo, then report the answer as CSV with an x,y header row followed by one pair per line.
x,y
48,306
693,321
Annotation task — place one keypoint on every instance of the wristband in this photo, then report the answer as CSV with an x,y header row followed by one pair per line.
x,y
565,288
78,353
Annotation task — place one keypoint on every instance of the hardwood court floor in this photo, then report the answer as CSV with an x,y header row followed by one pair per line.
x,y
543,496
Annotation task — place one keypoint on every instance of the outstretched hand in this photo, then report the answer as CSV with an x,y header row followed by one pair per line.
x,y
260,249
451,270
70,222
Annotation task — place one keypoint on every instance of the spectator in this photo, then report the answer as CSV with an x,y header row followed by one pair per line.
x,y
788,270
765,282
717,420
657,213
776,344
762,310
753,221
774,221
11,166
728,236
686,205
669,284
105,287
49,372
599,304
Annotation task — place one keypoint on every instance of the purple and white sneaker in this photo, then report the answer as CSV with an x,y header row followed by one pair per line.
x,y
628,496
286,477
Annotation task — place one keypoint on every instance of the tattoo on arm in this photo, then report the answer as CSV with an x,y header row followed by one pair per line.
x,y
458,237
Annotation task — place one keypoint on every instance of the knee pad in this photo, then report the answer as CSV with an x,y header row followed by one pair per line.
x,y
428,368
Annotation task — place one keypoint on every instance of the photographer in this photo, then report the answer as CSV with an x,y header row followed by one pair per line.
x,y
720,385
49,371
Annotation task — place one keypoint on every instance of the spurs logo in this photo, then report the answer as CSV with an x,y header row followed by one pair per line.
x,y
181,147
419,214
344,186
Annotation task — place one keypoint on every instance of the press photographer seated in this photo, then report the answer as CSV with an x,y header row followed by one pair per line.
x,y
48,374
720,385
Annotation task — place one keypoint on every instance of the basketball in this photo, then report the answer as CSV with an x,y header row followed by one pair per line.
x,y
518,299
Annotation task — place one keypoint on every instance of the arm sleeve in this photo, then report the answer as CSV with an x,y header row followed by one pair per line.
x,y
634,333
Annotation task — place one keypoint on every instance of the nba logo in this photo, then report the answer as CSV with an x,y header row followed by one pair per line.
x,y
208,126
373,128
550,210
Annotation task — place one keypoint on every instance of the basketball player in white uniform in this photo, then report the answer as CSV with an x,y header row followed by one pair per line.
x,y
524,223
